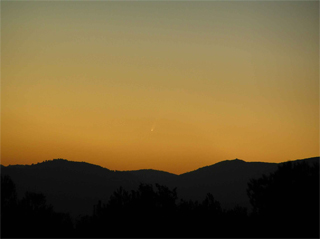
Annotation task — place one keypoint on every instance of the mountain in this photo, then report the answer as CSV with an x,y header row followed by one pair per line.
x,y
75,187
69,186
226,180
153,176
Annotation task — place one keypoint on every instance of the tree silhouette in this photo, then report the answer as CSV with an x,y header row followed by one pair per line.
x,y
30,216
287,201
201,219
153,212
285,204
8,206
8,192
141,212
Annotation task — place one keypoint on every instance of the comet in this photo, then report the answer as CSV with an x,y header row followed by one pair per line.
x,y
153,126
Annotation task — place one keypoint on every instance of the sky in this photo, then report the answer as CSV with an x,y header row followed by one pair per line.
x,y
172,86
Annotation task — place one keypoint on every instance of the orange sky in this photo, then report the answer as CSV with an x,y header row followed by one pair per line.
x,y
172,86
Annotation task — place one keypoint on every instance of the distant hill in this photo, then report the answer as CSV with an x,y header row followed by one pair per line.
x,y
153,176
226,180
75,187
69,186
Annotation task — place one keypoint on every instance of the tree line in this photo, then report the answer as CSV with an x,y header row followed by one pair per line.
x,y
284,204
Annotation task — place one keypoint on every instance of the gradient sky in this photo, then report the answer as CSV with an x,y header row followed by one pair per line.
x,y
172,86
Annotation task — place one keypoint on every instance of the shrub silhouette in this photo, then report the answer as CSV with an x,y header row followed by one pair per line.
x,y
287,201
153,212
140,212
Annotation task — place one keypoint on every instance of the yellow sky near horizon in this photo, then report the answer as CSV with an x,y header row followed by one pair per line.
x,y
172,86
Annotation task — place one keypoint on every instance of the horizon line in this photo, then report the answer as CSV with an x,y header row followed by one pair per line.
x,y
62,159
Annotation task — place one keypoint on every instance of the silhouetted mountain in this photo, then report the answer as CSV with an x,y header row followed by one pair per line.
x,y
75,186
227,180
69,186
285,204
153,176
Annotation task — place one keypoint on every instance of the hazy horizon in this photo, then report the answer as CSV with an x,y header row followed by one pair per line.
x,y
171,86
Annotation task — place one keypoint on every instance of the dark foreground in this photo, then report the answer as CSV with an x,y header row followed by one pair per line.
x,y
285,204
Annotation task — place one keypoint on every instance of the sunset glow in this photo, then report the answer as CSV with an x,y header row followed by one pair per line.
x,y
172,86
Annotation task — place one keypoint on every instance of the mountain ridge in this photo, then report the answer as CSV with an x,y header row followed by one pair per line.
x,y
151,169
74,187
